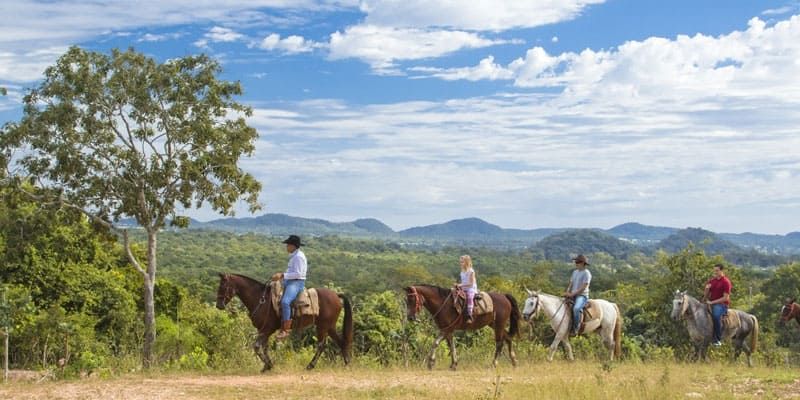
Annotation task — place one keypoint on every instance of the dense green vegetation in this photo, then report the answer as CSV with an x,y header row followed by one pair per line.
x,y
69,294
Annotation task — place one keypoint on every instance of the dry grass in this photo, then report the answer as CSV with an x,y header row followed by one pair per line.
x,y
558,380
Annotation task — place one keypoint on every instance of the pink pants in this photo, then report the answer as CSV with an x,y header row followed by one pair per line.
x,y
470,301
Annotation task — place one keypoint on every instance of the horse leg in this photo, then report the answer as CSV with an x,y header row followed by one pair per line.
x,y
262,352
322,335
553,348
511,354
498,349
452,345
432,354
339,342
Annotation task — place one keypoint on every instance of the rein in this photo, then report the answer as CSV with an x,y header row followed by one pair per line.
x,y
419,300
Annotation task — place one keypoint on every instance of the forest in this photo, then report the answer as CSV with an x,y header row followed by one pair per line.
x,y
72,304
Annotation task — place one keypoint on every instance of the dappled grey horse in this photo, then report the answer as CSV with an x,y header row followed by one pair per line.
x,y
700,326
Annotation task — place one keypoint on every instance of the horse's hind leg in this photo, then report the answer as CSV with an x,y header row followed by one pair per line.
x,y
452,345
511,354
339,342
322,335
568,347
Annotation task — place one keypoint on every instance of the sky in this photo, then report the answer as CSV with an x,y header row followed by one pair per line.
x,y
527,114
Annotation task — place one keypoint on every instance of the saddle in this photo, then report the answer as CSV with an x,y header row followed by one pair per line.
x,y
482,302
591,316
306,302
730,319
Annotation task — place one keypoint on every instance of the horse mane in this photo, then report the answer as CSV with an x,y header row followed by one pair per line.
x,y
442,291
249,279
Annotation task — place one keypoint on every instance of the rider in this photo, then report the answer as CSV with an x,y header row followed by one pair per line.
x,y
718,295
469,283
294,281
578,289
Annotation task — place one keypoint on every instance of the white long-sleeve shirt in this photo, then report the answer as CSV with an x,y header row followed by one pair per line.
x,y
298,266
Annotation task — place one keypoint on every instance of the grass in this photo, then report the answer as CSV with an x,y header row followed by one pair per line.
x,y
537,380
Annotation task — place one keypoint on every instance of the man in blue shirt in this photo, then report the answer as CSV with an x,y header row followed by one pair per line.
x,y
294,281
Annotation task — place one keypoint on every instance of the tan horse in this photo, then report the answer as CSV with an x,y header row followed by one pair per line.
x,y
789,311
608,325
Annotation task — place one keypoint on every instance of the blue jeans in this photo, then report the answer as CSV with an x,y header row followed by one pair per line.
x,y
291,288
717,311
577,310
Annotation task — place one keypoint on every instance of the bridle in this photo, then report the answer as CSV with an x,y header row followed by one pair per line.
x,y
418,299
230,291
537,307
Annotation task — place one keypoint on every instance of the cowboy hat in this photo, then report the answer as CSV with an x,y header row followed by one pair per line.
x,y
294,240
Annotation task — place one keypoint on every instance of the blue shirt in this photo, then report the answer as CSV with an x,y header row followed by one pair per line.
x,y
298,266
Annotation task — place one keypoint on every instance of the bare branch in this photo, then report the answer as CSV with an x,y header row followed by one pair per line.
x,y
129,253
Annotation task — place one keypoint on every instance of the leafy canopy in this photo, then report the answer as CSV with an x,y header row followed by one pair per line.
x,y
122,134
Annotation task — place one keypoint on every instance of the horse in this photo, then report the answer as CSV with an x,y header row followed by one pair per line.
x,y
701,326
559,312
789,311
256,298
440,303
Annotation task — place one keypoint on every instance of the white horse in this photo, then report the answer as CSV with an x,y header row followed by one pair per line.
x,y
608,325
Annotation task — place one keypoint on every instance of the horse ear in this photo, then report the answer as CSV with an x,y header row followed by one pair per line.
x,y
222,275
529,291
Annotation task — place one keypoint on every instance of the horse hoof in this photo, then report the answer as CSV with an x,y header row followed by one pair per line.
x,y
452,368
310,367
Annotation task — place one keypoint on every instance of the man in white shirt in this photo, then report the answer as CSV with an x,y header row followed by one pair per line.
x,y
294,281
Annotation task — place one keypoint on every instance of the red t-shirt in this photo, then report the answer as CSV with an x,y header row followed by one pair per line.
x,y
718,288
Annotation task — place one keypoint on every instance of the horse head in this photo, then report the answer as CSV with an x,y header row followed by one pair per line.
x,y
679,305
532,305
787,311
225,291
414,302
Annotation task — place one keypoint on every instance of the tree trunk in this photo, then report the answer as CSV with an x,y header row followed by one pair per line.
x,y
149,301
5,357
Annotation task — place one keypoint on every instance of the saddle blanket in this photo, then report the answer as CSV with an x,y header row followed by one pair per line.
x,y
482,303
306,303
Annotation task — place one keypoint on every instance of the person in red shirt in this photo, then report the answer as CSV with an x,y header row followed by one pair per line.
x,y
718,296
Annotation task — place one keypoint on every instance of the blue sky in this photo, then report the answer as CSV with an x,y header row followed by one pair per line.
x,y
524,113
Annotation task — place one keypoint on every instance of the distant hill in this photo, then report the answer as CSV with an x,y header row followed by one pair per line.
x,y
701,238
641,234
713,244
477,232
563,245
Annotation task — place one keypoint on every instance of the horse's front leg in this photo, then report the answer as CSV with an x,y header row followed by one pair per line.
x,y
553,348
432,354
452,345
261,349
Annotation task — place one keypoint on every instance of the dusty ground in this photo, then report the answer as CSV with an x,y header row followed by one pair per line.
x,y
536,381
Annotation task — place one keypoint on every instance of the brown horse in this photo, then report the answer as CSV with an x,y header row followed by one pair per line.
x,y
440,303
789,311
256,297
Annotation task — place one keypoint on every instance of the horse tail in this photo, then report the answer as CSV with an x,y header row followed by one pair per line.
x,y
618,333
347,329
754,335
513,328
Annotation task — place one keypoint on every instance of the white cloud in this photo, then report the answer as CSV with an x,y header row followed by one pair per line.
x,y
487,69
160,37
291,44
382,47
475,15
27,65
761,61
37,24
554,39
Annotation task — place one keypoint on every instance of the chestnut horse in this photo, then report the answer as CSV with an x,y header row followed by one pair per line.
x,y
256,297
440,303
789,311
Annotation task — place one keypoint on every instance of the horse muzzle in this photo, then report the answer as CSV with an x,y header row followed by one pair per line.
x,y
526,317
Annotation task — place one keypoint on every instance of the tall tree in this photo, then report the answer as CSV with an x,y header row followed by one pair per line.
x,y
122,135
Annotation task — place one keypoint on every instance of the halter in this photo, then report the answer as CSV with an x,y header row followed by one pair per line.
x,y
537,306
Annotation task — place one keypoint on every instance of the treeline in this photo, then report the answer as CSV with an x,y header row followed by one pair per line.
x,y
71,302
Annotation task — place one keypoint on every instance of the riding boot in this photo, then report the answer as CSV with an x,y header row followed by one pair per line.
x,y
286,329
